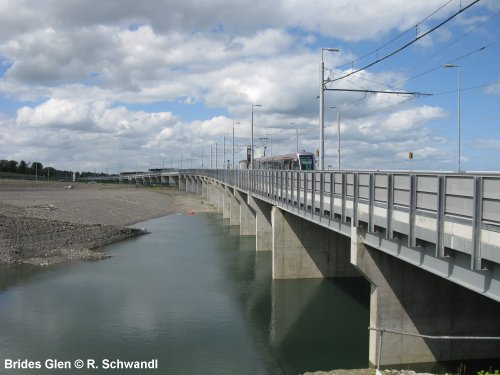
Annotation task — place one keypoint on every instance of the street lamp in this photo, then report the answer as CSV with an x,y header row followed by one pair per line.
x,y
321,107
264,143
251,151
271,136
458,131
233,140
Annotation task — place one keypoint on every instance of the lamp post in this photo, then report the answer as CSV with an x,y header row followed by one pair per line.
x,y
233,141
458,125
251,151
216,155
224,165
338,140
321,107
271,137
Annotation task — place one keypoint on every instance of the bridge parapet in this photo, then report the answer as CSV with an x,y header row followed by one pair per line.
x,y
441,214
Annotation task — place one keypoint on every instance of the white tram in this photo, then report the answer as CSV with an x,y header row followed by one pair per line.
x,y
303,161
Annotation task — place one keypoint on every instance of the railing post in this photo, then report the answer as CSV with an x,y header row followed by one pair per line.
x,y
321,193
441,201
476,220
371,203
298,189
313,194
355,200
344,197
304,190
412,241
390,205
281,185
273,185
332,194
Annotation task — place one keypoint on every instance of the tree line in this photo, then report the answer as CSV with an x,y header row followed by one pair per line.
x,y
37,169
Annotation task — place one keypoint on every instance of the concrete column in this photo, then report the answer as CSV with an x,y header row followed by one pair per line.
x,y
264,229
220,198
208,186
204,189
182,183
174,181
234,214
214,194
247,215
199,186
226,202
407,298
302,249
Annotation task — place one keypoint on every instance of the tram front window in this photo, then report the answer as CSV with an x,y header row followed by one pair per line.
x,y
306,162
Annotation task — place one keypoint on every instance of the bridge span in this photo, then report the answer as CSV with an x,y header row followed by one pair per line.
x,y
429,244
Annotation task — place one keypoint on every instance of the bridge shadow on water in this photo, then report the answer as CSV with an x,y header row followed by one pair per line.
x,y
306,324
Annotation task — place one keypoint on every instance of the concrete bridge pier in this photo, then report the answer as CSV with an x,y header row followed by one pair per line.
x,y
199,186
189,184
410,299
302,249
226,202
182,183
264,229
204,188
247,215
194,185
214,194
220,198
234,208
173,181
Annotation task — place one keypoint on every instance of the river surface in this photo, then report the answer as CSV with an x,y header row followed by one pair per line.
x,y
193,295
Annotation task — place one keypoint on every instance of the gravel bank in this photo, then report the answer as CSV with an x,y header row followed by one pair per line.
x,y
43,223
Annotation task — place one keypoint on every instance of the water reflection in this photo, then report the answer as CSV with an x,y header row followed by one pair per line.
x,y
193,294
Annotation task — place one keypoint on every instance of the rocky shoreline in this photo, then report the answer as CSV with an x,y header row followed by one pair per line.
x,y
43,224
43,242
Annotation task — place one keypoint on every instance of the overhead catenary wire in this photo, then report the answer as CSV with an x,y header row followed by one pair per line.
x,y
396,37
441,50
399,84
407,44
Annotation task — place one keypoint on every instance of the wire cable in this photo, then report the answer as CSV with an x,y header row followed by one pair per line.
x,y
396,37
407,44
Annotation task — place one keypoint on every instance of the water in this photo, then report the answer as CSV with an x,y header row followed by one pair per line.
x,y
195,296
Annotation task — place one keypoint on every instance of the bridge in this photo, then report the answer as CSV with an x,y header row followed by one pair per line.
x,y
429,244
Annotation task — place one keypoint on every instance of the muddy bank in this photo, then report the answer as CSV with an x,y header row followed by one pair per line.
x,y
43,223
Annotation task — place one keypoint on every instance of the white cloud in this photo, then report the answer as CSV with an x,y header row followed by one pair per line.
x,y
84,63
495,88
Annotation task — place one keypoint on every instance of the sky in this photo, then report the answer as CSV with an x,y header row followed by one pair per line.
x,y
122,85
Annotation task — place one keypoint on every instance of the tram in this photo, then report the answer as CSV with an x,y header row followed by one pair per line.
x,y
303,161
